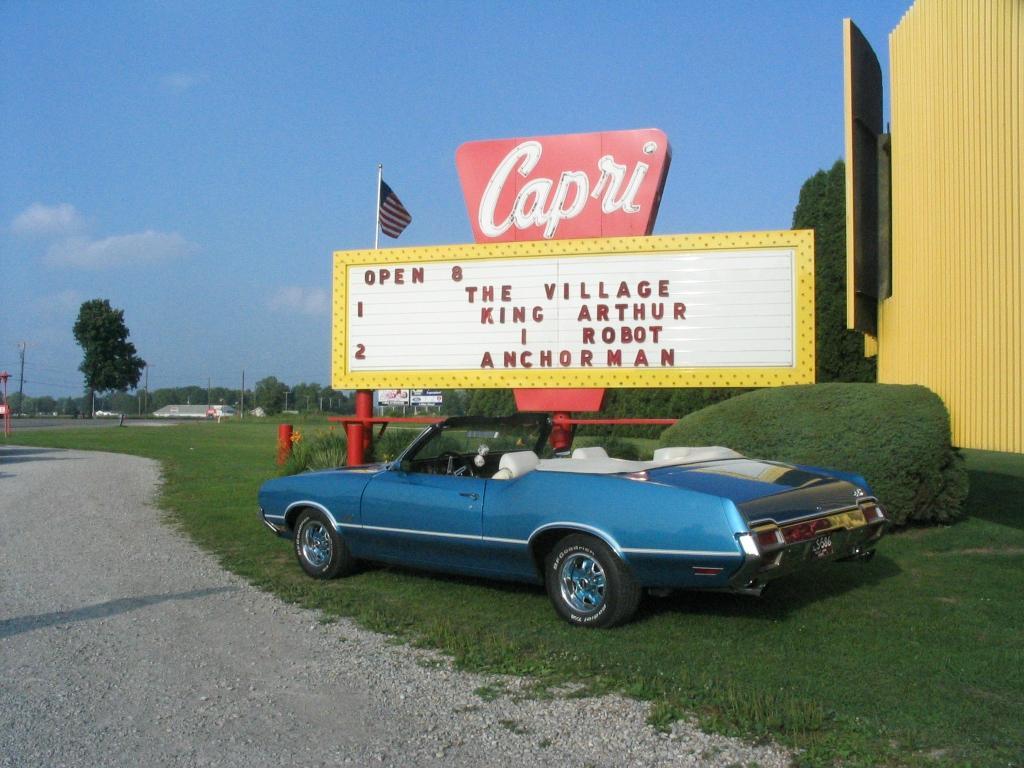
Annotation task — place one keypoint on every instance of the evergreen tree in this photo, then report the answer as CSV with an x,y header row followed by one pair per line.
x,y
822,207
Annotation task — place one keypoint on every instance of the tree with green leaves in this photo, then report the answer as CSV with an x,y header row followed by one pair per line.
x,y
110,362
270,393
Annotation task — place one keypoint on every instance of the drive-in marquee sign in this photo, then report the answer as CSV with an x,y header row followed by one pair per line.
x,y
666,311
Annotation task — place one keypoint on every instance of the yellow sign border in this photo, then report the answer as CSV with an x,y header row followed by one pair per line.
x,y
801,240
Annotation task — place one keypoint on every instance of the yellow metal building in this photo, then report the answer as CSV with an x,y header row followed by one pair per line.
x,y
954,320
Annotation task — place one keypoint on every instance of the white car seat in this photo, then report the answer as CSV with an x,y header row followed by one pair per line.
x,y
593,452
515,464
692,455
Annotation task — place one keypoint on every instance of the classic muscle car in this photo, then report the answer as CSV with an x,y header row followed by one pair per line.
x,y
470,495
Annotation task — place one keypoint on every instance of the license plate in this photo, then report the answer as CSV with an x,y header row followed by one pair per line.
x,y
822,547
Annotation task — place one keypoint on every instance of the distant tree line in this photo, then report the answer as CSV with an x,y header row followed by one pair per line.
x,y
267,393
270,394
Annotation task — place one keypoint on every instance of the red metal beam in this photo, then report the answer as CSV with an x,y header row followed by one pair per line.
x,y
559,419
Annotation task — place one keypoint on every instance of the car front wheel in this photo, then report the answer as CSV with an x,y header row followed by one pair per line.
x,y
588,584
321,551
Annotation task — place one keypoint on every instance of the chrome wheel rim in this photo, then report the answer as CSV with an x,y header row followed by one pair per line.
x,y
583,583
315,543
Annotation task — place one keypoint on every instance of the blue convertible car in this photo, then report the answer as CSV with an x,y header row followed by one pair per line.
x,y
470,495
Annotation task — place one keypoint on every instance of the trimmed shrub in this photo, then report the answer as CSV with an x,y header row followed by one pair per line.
x,y
896,436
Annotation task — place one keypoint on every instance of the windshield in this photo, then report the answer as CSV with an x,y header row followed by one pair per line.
x,y
469,445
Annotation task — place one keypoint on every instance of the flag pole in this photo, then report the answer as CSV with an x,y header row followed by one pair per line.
x,y
376,226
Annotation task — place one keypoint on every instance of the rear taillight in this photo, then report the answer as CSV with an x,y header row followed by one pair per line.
x,y
805,531
872,512
769,539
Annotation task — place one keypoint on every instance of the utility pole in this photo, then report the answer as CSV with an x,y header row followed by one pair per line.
x,y
241,409
21,378
146,396
207,391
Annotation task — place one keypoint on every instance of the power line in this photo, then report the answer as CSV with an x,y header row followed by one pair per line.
x,y
54,384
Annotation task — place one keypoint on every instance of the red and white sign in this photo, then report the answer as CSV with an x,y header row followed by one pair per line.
x,y
393,397
559,187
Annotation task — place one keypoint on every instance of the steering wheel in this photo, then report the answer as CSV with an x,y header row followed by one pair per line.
x,y
457,464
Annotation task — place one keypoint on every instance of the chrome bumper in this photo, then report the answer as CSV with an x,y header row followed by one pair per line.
x,y
851,535
280,530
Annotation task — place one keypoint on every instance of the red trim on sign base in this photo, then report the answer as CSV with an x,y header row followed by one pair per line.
x,y
588,400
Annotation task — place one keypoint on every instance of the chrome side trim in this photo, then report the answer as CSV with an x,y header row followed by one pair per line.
x,y
680,552
629,550
578,527
315,505
441,534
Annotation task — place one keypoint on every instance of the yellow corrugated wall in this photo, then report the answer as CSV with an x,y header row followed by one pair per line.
x,y
954,321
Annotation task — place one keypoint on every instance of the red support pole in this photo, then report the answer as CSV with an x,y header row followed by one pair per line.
x,y
4,407
360,432
284,443
561,434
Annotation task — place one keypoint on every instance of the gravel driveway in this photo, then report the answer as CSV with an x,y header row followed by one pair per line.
x,y
123,644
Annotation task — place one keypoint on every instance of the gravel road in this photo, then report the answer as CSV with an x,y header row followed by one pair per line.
x,y
123,644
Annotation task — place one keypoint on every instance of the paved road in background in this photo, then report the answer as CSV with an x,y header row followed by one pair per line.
x,y
50,423
122,644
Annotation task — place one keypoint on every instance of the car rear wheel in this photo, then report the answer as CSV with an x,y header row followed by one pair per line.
x,y
321,551
588,584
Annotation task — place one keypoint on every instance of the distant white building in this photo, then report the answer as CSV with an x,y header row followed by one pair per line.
x,y
194,411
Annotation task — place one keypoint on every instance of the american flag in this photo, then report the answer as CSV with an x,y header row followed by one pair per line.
x,y
393,216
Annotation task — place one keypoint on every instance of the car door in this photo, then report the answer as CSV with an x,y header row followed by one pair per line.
x,y
424,519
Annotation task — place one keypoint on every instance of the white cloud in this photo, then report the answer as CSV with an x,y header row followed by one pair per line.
x,y
304,301
146,247
48,220
179,82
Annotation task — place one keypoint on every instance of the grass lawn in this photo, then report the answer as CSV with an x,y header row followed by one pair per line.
x,y
914,659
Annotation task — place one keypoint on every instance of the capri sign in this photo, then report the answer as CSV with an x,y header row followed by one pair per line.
x,y
558,187
696,310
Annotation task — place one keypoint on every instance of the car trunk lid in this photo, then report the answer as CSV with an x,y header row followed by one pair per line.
x,y
764,490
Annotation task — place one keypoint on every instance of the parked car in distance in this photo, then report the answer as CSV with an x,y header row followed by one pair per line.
x,y
470,495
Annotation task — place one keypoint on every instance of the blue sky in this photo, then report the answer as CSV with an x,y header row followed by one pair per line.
x,y
196,163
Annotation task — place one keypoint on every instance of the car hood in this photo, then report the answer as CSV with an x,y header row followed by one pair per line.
x,y
767,490
358,469
319,477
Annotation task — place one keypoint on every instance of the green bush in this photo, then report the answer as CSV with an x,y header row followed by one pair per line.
x,y
321,450
897,437
386,447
